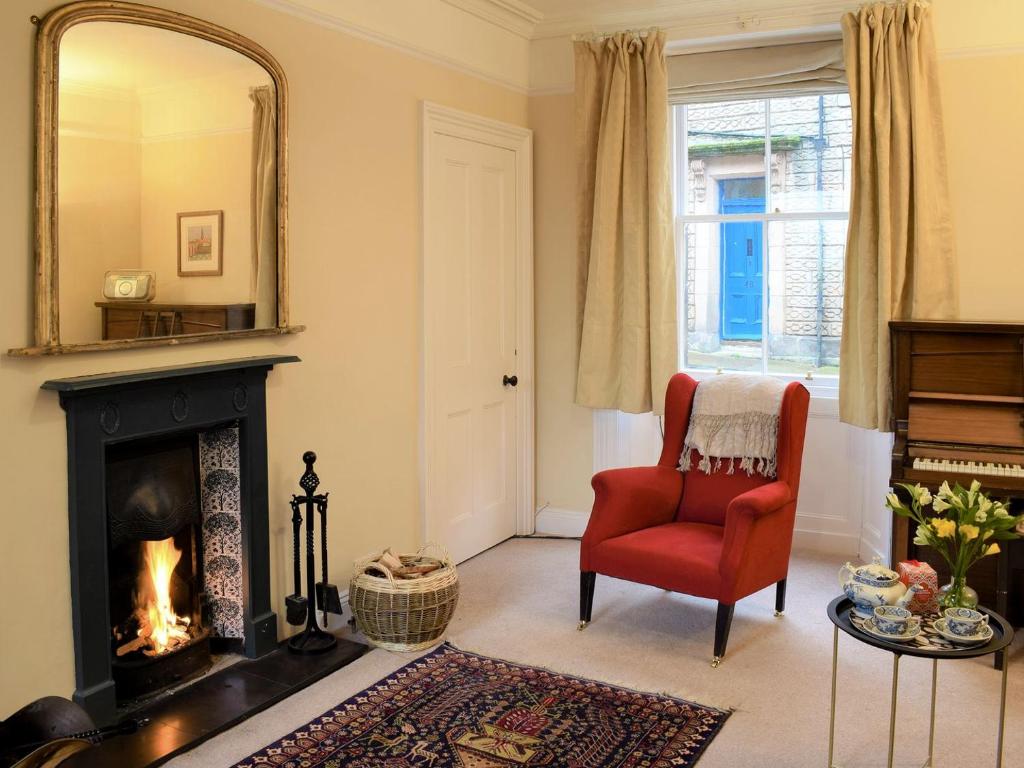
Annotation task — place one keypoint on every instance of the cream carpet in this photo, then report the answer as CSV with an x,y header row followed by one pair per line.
x,y
520,602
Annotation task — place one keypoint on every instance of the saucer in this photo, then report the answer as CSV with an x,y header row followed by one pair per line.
x,y
976,639
868,627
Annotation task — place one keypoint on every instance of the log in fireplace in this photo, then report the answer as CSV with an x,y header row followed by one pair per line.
x,y
168,513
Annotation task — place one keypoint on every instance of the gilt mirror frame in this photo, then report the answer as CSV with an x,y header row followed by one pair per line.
x,y
51,29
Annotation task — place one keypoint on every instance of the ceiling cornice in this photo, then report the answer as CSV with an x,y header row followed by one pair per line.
x,y
698,18
511,15
305,10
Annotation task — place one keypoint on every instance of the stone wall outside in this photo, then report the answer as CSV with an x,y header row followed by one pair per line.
x,y
810,170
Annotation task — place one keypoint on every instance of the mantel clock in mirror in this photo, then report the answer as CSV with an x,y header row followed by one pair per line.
x,y
161,171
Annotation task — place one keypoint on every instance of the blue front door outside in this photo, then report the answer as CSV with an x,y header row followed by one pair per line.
x,y
742,263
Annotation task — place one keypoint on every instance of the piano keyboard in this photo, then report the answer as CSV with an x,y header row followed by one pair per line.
x,y
969,467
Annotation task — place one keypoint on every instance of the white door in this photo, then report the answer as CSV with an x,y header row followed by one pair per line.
x,y
470,344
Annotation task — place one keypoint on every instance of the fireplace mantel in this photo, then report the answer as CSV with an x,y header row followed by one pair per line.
x,y
112,408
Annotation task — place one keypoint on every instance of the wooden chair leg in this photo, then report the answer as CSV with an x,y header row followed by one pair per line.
x,y
587,582
780,597
722,624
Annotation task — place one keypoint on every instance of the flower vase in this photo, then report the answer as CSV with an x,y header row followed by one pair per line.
x,y
957,594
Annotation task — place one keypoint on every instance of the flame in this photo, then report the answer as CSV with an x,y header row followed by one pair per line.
x,y
154,609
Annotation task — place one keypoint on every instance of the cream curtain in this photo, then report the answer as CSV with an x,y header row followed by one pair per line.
x,y
900,258
626,260
753,73
263,280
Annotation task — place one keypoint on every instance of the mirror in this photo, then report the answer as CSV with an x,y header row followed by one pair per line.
x,y
162,209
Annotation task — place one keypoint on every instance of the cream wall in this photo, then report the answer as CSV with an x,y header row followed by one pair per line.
x,y
981,68
198,173
564,430
99,225
354,239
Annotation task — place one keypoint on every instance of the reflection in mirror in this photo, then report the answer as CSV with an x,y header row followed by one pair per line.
x,y
166,186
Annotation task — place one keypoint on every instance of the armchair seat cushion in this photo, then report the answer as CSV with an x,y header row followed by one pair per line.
x,y
680,556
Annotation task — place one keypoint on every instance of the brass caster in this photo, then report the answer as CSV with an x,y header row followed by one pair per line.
x,y
582,625
778,614
716,662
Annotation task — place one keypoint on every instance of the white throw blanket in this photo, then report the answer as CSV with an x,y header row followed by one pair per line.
x,y
735,417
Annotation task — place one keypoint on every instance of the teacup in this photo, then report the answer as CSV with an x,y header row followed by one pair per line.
x,y
893,619
965,622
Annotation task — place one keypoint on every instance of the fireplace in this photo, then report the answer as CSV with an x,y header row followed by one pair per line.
x,y
169,535
160,635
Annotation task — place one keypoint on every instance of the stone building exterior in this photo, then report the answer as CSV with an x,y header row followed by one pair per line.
x,y
809,172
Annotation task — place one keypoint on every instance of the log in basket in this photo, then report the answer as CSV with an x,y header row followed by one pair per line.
x,y
404,614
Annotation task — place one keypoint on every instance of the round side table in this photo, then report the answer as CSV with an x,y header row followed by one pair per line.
x,y
1002,636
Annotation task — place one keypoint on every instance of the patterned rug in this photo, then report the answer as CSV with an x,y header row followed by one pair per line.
x,y
453,709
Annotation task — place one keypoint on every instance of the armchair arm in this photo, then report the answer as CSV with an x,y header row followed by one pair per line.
x,y
757,540
627,500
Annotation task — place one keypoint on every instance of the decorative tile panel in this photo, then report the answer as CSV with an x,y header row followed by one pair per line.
x,y
220,485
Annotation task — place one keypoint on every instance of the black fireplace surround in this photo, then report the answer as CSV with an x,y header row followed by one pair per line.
x,y
106,410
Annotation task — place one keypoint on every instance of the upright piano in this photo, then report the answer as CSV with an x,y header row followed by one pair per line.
x,y
958,408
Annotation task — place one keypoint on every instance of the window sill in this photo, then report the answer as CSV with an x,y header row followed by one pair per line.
x,y
824,389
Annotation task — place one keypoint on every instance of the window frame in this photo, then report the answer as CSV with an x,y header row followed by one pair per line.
x,y
819,385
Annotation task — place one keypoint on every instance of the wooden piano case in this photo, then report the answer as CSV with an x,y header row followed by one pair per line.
x,y
958,394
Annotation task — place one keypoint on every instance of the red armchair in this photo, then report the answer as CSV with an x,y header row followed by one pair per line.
x,y
717,536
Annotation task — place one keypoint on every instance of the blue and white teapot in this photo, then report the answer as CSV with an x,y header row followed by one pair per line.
x,y
869,586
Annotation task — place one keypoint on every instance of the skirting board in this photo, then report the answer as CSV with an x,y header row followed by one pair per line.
x,y
561,522
552,521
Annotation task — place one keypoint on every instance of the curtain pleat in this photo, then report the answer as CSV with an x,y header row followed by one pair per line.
x,y
263,275
626,261
900,257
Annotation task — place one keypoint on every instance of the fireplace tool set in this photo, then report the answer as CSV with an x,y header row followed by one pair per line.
x,y
301,609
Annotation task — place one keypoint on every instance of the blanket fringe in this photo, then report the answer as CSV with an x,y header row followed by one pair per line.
x,y
759,433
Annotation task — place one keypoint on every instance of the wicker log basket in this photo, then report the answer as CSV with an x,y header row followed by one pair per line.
x,y
404,614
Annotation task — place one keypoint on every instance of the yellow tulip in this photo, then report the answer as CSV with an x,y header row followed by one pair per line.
x,y
969,532
993,549
944,529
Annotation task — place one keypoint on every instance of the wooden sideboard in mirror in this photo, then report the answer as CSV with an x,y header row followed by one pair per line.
x,y
161,168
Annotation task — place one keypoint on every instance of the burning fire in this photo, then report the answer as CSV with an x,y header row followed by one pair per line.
x,y
159,626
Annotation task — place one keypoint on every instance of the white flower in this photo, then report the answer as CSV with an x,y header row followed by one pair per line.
x,y
925,498
893,501
975,486
941,505
945,490
986,505
1001,513
981,516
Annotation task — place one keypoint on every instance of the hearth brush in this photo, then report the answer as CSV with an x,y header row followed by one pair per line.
x,y
328,598
296,605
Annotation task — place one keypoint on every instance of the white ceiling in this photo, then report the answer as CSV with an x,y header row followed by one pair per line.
x,y
133,57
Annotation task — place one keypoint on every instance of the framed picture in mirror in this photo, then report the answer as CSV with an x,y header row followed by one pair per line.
x,y
200,243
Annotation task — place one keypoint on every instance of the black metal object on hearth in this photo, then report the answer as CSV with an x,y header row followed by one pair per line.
x,y
312,639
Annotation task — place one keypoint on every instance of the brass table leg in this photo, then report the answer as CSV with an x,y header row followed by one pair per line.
x,y
832,707
931,726
892,705
1002,715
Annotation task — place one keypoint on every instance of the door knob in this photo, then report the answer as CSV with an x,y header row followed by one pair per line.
x,y
509,381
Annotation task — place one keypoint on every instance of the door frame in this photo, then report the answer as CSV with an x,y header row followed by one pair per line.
x,y
445,121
